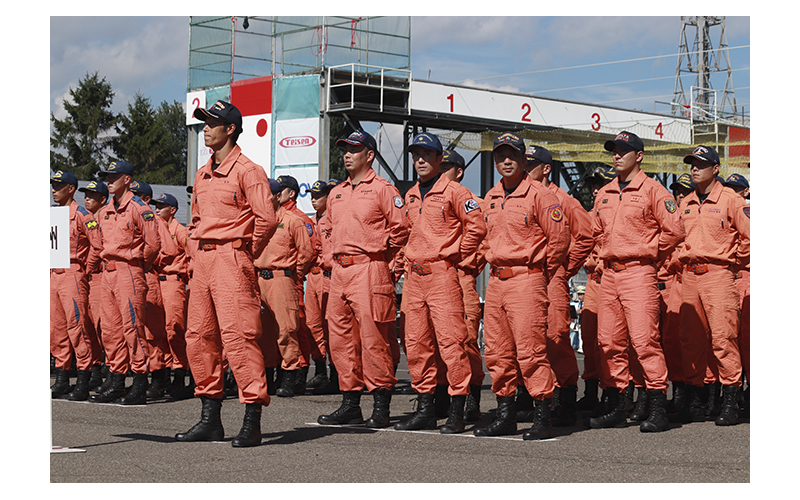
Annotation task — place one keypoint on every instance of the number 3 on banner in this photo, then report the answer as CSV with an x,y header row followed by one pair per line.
x,y
596,123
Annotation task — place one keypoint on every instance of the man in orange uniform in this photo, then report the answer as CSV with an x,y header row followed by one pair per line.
x,y
155,323
446,223
592,372
95,195
232,218
130,246
559,350
69,294
318,284
369,228
173,276
528,240
717,222
637,225
742,187
280,266
453,166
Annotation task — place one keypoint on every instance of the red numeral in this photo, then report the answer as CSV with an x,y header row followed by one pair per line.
x,y
596,123
450,98
526,107
659,130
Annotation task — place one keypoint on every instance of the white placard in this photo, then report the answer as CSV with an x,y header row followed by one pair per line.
x,y
194,100
256,139
59,237
306,176
297,141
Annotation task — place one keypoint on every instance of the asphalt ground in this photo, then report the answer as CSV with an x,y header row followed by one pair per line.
x,y
137,445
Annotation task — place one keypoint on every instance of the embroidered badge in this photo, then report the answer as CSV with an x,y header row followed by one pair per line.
x,y
398,202
746,211
92,224
555,213
148,216
671,206
310,229
471,205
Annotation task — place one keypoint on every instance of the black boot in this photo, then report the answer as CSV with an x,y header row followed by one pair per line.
x,y
523,405
541,420
96,378
349,413
628,397
589,399
678,401
441,401
423,418
567,414
106,383
320,377
61,387
642,407
231,388
137,395
472,410
209,428
287,385
505,422
714,400
300,377
81,390
382,398
694,408
180,390
115,389
332,386
657,412
158,383
455,418
272,386
729,412
250,433
615,410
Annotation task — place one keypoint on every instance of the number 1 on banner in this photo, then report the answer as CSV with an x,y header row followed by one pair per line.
x,y
450,98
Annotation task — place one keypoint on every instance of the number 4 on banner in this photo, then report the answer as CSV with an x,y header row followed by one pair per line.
x,y
659,131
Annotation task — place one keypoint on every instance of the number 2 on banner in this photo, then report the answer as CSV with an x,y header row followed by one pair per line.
x,y
196,102
527,108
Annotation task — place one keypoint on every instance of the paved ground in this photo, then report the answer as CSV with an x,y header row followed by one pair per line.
x,y
136,444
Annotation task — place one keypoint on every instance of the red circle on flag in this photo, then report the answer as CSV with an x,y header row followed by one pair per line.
x,y
261,128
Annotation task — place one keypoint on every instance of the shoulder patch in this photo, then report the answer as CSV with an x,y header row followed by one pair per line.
x,y
82,210
471,205
310,229
671,207
148,215
280,225
746,211
556,213
398,202
92,224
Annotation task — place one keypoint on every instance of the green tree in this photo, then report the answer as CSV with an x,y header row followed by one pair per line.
x,y
339,129
78,142
153,141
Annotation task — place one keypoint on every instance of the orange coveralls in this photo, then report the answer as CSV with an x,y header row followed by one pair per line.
x,y
559,350
637,229
233,218
670,275
591,300
447,224
173,271
743,283
369,228
528,241
130,245
70,324
717,245
155,321
318,284
289,249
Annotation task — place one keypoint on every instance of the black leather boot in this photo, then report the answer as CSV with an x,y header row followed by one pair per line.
x,y
287,385
642,407
137,395
523,405
250,433
567,413
320,377
729,412
300,377
441,401
115,389
96,378
159,380
81,390
349,413
332,386
272,386
61,387
657,412
209,428
455,418
615,406
541,420
628,396
694,408
589,399
180,389
423,418
678,401
231,388
714,400
382,399
505,422
472,409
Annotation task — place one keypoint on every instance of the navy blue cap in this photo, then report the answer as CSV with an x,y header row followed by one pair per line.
x,y
64,177
221,110
165,199
141,188
625,140
359,137
703,153
536,154
685,180
427,141
333,182
117,167
510,139
736,180
96,187
287,181
602,175
320,187
275,186
453,157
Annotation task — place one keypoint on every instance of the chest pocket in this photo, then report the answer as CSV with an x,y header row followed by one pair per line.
x,y
436,216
